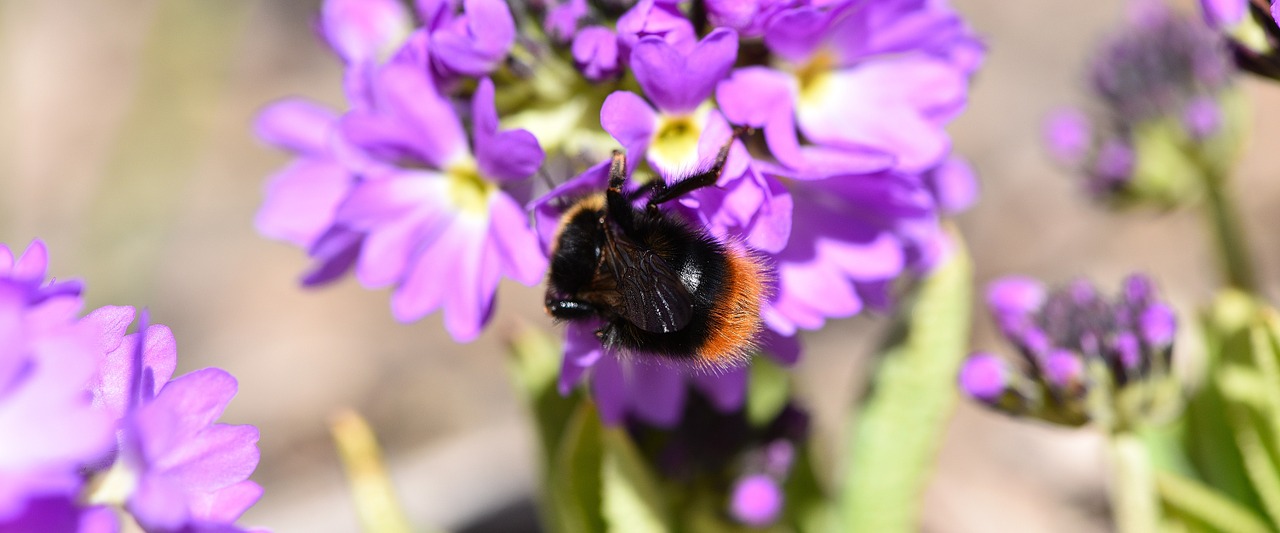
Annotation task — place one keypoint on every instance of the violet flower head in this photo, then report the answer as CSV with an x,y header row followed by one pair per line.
x,y
48,426
1163,88
756,501
1158,66
432,207
103,430
595,52
468,40
1082,357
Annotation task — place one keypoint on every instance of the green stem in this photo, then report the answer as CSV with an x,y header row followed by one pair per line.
x,y
1233,250
1133,491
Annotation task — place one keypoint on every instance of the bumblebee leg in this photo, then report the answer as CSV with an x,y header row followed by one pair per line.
x,y
570,309
664,193
616,203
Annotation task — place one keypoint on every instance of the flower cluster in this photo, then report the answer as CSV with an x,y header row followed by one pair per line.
x,y
1083,357
747,462
95,434
1165,93
840,192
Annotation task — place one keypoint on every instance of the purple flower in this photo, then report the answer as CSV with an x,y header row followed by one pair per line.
x,y
431,208
1155,68
1068,135
48,426
756,500
679,83
747,17
1223,13
472,43
94,423
365,34
562,19
654,391
881,77
595,52
302,199
660,19
1067,339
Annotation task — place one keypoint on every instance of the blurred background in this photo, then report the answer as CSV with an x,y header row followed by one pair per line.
x,y
126,145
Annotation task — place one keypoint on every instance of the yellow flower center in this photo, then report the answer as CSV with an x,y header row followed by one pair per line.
x,y
675,141
814,75
467,189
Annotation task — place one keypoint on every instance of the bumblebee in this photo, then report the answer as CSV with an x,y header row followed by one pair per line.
x,y
659,285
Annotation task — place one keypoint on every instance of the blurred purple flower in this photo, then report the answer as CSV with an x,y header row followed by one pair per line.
x,y
48,427
302,199
679,83
595,52
1068,135
882,77
365,34
756,500
654,391
1223,13
431,208
1060,335
471,43
747,17
562,19
660,19
1202,118
101,425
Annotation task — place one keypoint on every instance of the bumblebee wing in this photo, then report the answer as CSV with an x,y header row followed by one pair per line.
x,y
652,295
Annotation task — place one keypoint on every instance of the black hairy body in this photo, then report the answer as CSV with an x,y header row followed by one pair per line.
x,y
660,285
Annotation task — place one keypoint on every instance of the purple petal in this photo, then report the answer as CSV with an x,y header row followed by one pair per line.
x,y
887,105
301,201
595,53
218,457
411,120
727,391
1224,13
581,351
782,348
334,253
1158,325
795,34
630,120
503,156
954,185
1202,118
677,82
364,30
1068,135
297,125
116,377
32,265
984,377
228,504
184,406
659,18
756,500
655,393
475,44
1064,370
1015,296
158,505
609,390
562,20
517,244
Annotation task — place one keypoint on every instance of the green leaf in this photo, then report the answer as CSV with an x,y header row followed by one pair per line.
x,y
768,391
574,480
1210,439
807,508
633,502
896,436
1190,499
569,434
